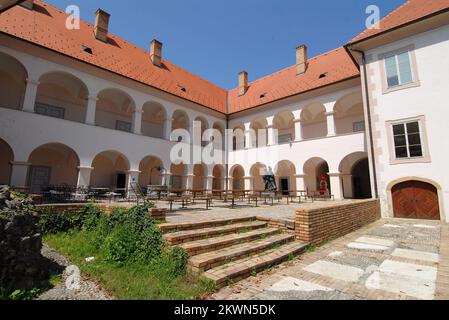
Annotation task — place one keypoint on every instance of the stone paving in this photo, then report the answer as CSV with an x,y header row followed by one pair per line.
x,y
390,259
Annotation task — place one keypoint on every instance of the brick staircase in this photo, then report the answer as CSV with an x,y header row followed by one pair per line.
x,y
226,251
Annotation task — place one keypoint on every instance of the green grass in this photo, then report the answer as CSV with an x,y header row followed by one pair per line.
x,y
128,281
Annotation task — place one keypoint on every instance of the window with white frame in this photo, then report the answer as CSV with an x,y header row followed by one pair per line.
x,y
398,69
407,140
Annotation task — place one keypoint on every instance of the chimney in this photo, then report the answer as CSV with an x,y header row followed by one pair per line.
x,y
102,25
28,4
243,83
156,52
301,59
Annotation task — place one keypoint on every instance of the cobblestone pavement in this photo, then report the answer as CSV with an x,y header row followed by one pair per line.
x,y
390,259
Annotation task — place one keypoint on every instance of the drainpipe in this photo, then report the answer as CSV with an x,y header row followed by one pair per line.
x,y
370,126
226,146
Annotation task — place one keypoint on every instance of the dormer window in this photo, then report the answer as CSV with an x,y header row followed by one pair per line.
x,y
87,49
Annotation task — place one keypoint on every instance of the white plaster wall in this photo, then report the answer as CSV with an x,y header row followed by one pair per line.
x,y
431,99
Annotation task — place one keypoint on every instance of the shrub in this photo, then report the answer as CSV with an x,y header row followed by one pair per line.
x,y
51,223
91,214
120,245
139,218
150,244
178,261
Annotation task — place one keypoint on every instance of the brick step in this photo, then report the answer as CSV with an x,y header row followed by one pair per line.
x,y
206,261
207,245
240,269
191,235
174,227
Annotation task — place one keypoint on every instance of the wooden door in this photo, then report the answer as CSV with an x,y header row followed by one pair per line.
x,y
416,200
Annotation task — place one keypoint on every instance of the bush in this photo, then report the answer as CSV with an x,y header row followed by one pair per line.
x,y
91,214
149,245
120,245
178,258
51,223
139,218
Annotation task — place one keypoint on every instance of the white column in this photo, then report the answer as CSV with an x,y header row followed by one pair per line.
x,y
19,174
230,184
336,187
189,176
298,130
249,183
167,128
84,174
330,123
300,183
91,110
272,139
30,95
137,122
248,136
132,179
209,183
166,178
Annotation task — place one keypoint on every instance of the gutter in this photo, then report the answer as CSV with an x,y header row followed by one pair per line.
x,y
370,126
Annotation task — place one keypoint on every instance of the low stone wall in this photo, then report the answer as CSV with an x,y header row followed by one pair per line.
x,y
71,207
329,222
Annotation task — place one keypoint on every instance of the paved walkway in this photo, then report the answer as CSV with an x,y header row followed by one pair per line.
x,y
390,259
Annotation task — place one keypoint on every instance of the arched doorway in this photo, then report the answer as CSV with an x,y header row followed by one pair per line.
x,y
285,172
415,199
257,172
177,177
6,157
153,120
217,173
199,176
52,164
314,169
110,171
12,82
284,123
150,172
237,173
355,176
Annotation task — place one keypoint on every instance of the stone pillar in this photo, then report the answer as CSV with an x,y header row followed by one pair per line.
x,y
330,124
132,180
230,184
91,110
189,181
137,122
30,95
167,128
300,182
336,187
19,174
272,137
298,130
348,192
249,183
248,136
84,174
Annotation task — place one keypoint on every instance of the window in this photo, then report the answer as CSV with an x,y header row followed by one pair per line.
x,y
285,138
407,140
123,126
398,69
50,111
358,126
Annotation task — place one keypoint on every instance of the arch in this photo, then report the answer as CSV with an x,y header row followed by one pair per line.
x,y
349,115
238,137
52,164
313,169
313,121
204,126
178,172
260,138
218,174
199,176
356,176
237,173
153,119
115,110
284,123
6,158
218,126
285,172
180,120
150,168
110,170
416,198
62,95
257,172
13,76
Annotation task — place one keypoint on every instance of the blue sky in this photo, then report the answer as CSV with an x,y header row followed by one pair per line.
x,y
216,39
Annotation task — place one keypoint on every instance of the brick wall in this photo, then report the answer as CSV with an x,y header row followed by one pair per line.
x,y
70,208
333,221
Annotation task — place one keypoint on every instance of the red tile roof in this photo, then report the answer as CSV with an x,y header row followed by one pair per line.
x,y
45,26
336,65
408,12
